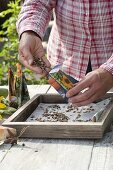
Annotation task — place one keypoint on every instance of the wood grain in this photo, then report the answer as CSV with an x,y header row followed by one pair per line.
x,y
49,155
91,130
102,154
58,154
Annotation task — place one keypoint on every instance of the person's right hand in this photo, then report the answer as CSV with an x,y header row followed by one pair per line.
x,y
30,46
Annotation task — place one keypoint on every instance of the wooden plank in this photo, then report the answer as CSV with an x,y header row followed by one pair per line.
x,y
49,155
43,89
52,91
37,89
102,154
4,87
41,130
3,151
61,154
31,89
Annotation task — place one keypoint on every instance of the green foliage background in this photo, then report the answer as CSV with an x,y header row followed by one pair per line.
x,y
9,42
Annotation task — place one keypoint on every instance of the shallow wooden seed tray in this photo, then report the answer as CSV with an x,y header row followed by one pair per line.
x,y
57,129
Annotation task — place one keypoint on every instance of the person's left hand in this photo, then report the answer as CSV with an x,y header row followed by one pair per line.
x,y
95,84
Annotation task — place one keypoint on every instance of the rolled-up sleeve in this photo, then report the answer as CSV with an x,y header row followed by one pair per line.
x,y
108,65
35,16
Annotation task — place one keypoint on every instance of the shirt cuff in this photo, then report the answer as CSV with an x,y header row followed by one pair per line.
x,y
31,27
108,65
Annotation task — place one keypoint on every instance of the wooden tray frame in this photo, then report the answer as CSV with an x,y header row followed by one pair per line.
x,y
91,130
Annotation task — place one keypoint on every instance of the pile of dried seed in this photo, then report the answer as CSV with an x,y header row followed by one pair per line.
x,y
54,117
46,112
52,114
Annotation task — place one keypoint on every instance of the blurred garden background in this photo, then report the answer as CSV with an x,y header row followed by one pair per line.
x,y
9,10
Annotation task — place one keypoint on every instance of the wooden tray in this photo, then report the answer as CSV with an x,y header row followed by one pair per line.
x,y
57,129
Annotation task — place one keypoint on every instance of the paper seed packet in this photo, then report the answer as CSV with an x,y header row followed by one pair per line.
x,y
61,81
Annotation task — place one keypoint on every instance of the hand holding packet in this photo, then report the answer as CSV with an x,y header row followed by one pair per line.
x,y
57,78
61,81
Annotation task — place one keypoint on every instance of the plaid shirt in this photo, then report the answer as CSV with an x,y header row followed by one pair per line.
x,y
81,29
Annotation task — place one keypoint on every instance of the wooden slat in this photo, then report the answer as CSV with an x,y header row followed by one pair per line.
x,y
52,91
102,155
3,151
43,89
49,155
4,87
60,154
37,89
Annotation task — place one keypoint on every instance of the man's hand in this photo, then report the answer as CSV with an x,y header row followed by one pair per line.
x,y
95,84
31,46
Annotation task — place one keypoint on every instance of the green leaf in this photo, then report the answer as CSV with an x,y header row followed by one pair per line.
x,y
9,50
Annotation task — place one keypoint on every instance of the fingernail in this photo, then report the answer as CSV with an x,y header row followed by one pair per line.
x,y
69,101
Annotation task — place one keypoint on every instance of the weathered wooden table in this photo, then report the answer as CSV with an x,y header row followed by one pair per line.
x,y
49,154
